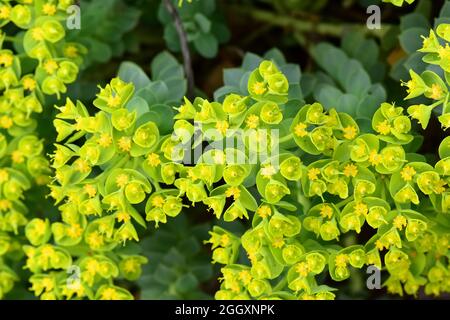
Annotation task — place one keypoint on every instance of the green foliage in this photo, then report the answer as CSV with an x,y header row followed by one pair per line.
x,y
178,265
430,84
203,23
413,28
104,28
360,178
345,84
300,179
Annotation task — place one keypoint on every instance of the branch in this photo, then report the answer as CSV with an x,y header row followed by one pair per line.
x,y
184,47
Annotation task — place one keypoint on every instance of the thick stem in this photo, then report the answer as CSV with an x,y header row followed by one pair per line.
x,y
184,46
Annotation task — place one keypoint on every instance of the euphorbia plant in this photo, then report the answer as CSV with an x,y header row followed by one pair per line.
x,y
346,180
35,62
301,195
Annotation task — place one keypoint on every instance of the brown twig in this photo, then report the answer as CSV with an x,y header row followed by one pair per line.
x,y
187,61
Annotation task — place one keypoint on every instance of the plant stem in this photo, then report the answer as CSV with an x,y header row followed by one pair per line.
x,y
324,28
286,138
11,39
184,46
445,107
344,202
280,285
156,185
301,199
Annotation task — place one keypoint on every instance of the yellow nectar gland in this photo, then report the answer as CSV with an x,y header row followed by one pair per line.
x,y
90,190
375,158
17,156
399,222
37,34
427,43
264,211
50,66
105,140
408,173
411,85
206,173
313,173
444,52
125,144
183,109
74,231
438,187
153,160
122,180
341,260
326,211
234,286
49,9
222,126
383,127
268,171
130,265
379,245
5,204
92,266
300,130
95,240
233,192
109,294
252,256
6,59
123,216
361,209
74,196
113,101
350,170
48,284
259,88
302,269
6,122
245,276
40,227
47,251
5,11
436,92
350,132
14,96
225,240
158,201
29,84
82,166
252,121
71,51
278,243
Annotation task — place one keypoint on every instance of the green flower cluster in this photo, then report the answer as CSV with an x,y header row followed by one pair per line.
x,y
327,181
429,84
331,184
124,164
99,179
399,3
34,61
